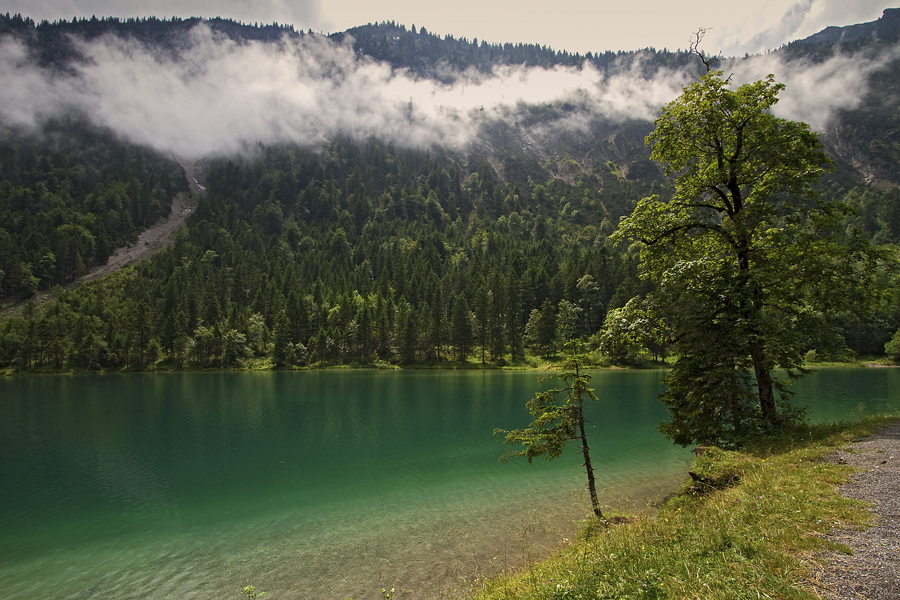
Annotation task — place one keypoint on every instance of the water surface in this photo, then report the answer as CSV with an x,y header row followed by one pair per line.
x,y
326,484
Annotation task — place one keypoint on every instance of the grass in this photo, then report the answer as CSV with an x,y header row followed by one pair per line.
x,y
748,527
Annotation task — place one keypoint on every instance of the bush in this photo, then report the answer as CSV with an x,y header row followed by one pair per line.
x,y
716,469
892,348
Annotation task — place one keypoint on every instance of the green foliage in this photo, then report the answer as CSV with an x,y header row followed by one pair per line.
x,y
716,469
68,197
364,254
631,331
892,348
427,54
557,422
540,331
250,592
351,268
745,257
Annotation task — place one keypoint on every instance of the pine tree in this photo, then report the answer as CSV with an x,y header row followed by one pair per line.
x,y
558,422
461,328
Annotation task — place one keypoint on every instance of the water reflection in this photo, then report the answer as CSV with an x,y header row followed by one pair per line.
x,y
313,484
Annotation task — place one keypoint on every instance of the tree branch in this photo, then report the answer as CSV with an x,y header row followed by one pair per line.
x,y
708,61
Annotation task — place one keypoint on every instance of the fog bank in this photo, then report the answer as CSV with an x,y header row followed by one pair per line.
x,y
222,97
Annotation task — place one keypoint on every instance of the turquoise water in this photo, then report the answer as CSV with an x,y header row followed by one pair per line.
x,y
326,484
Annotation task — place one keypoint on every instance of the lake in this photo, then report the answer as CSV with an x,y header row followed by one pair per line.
x,y
321,484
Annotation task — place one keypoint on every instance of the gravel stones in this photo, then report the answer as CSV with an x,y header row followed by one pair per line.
x,y
873,570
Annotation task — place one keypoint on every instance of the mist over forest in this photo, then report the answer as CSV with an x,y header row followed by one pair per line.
x,y
212,90
380,196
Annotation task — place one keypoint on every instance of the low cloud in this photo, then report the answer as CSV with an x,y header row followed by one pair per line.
x,y
219,97
222,97
813,91
766,25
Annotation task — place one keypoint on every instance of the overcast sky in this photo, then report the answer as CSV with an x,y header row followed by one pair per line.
x,y
735,26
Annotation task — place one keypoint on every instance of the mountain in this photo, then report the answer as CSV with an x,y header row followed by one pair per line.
x,y
866,136
861,136
449,228
885,30
54,44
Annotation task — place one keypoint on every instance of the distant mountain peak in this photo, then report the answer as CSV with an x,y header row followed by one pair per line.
x,y
885,29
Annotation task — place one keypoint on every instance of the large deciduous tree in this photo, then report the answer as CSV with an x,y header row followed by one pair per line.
x,y
746,257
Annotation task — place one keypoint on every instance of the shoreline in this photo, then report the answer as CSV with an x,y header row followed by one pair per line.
x,y
453,555
797,521
15,371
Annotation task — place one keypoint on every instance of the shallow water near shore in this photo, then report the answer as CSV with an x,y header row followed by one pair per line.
x,y
329,484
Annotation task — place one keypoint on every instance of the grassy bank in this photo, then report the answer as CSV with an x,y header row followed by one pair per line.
x,y
747,527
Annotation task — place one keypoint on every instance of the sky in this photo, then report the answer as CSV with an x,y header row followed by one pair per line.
x,y
734,27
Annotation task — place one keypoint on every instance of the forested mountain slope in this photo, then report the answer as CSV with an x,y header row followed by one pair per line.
x,y
69,195
360,250
866,136
360,254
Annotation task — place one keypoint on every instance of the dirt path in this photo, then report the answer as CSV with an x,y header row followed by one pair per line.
x,y
152,240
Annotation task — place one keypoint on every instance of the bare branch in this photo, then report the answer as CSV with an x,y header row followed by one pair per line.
x,y
708,61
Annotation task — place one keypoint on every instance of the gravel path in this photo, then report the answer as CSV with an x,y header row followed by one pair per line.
x,y
873,570
157,236
151,240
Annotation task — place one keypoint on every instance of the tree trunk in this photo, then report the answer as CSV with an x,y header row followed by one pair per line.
x,y
592,486
764,383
